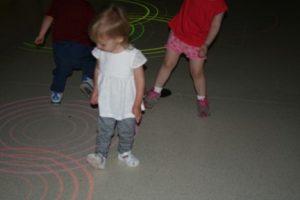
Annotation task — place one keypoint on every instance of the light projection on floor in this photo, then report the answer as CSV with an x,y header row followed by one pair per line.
x,y
139,22
43,147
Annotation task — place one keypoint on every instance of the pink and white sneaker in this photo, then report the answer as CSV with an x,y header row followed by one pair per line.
x,y
151,98
203,108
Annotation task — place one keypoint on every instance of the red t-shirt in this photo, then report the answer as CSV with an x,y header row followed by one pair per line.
x,y
71,20
191,25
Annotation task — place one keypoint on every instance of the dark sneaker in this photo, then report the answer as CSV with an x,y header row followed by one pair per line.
x,y
86,86
56,97
151,98
203,108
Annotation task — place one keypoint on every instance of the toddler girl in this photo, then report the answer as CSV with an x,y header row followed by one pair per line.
x,y
193,30
118,86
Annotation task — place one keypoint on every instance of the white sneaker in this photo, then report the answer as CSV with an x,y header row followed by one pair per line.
x,y
129,159
96,160
56,97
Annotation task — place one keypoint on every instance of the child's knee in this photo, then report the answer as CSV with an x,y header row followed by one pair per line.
x,y
198,74
168,64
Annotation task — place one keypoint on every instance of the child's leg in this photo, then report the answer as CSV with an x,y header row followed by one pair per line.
x,y
126,131
87,64
106,130
197,73
174,49
104,136
169,63
64,66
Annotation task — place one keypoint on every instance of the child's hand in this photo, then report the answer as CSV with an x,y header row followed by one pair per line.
x,y
203,51
39,40
94,98
136,110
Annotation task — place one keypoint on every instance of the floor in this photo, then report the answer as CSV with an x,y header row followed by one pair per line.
x,y
248,149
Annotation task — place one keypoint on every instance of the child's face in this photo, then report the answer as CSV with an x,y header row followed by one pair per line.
x,y
113,45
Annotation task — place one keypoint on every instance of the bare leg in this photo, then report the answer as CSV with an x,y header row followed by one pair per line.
x,y
164,72
170,61
197,72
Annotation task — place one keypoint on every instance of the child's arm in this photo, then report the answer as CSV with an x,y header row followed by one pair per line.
x,y
213,31
139,79
47,21
94,97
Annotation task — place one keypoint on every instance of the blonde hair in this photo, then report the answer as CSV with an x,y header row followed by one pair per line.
x,y
111,22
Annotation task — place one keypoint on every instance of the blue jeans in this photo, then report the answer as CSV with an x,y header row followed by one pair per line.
x,y
69,56
126,132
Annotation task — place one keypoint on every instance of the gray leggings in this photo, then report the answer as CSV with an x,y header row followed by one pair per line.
x,y
126,132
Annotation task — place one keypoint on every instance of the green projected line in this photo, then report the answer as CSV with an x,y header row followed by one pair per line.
x,y
142,5
36,47
156,11
35,50
163,19
149,13
141,33
159,19
132,31
153,49
152,53
32,48
146,6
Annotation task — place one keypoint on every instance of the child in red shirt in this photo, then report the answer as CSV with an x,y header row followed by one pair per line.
x,y
72,46
193,30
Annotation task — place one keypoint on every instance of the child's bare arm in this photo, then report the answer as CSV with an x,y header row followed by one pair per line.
x,y
213,31
47,21
139,79
94,97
